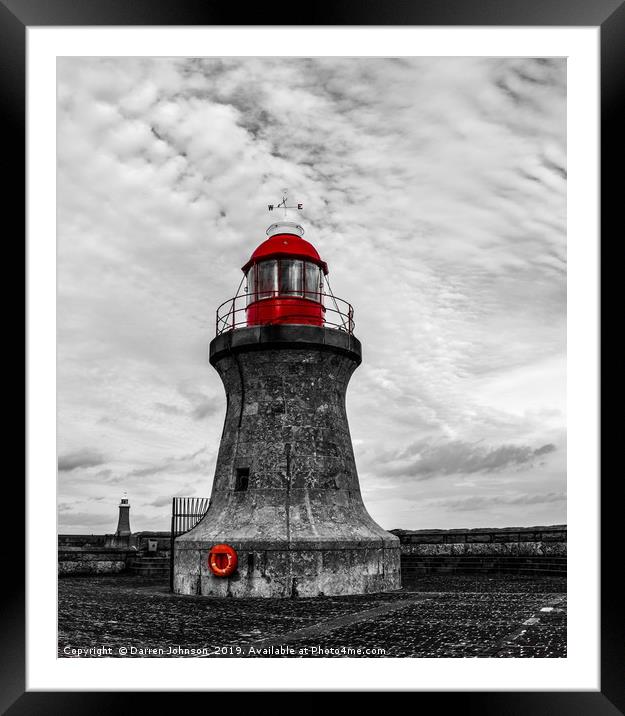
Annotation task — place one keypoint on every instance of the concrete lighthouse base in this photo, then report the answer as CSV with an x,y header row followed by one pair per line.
x,y
286,495
337,569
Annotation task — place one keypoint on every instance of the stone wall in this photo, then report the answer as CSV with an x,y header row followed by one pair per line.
x,y
517,550
82,541
93,561
107,554
163,540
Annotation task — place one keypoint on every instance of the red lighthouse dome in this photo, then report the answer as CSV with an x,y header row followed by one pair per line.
x,y
285,279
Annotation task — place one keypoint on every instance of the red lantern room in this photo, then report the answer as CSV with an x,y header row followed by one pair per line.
x,y
285,279
285,283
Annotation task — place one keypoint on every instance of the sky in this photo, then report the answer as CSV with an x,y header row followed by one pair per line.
x,y
434,188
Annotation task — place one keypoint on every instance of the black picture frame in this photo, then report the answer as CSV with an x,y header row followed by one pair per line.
x,y
16,16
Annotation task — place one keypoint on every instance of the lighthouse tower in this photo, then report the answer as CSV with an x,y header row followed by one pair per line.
x,y
123,523
286,516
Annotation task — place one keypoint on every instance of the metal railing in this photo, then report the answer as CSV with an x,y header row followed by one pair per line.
x,y
186,512
336,313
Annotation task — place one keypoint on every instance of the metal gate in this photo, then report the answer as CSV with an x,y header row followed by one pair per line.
x,y
186,512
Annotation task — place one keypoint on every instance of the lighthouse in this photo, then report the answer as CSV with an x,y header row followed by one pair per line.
x,y
286,515
123,521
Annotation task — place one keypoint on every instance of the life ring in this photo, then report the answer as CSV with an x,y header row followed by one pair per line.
x,y
222,560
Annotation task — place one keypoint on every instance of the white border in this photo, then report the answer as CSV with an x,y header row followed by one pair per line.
x,y
580,671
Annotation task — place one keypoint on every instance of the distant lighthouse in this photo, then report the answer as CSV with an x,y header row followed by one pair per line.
x,y
286,516
123,522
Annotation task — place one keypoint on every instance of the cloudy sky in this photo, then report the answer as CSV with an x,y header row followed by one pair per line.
x,y
435,190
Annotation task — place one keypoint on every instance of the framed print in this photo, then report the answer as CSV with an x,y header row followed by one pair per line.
x,y
406,198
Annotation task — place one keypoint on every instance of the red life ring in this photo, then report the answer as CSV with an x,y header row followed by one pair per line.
x,y
222,560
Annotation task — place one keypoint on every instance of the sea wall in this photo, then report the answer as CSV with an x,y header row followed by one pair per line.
x,y
514,550
93,561
107,554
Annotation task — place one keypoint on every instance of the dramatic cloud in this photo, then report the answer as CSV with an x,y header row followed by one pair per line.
x,y
434,188
82,458
545,449
428,460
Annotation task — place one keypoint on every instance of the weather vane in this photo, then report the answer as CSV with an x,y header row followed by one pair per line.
x,y
283,204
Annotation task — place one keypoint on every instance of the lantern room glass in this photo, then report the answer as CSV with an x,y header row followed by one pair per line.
x,y
251,285
291,277
313,282
267,278
284,277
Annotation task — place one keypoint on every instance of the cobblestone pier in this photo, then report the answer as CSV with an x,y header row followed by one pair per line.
x,y
443,616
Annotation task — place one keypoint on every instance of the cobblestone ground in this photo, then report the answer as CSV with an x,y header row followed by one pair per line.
x,y
437,616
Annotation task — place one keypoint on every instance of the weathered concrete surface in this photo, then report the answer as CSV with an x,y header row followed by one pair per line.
x,y
300,527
